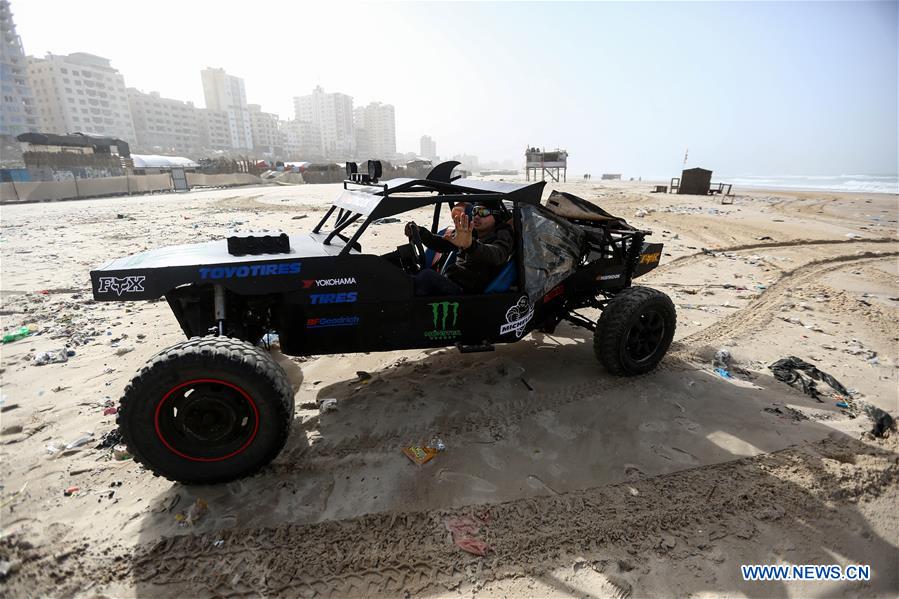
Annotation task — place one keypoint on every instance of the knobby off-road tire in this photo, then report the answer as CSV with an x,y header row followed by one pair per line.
x,y
207,410
634,331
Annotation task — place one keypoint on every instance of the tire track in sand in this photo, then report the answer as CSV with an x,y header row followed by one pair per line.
x,y
758,313
394,553
683,260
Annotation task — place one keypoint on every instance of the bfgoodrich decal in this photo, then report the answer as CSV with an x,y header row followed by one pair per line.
x,y
132,284
339,321
517,317
250,270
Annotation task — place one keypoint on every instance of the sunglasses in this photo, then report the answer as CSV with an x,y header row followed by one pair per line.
x,y
482,211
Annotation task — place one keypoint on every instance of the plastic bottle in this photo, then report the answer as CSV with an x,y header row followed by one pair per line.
x,y
20,334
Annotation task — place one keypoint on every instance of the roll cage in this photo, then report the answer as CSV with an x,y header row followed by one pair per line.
x,y
373,201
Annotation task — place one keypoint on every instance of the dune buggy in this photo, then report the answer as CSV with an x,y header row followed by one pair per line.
x,y
218,407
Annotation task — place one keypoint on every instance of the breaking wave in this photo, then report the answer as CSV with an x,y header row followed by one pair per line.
x,y
856,183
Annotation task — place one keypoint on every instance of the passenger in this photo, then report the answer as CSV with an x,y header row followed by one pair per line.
x,y
484,245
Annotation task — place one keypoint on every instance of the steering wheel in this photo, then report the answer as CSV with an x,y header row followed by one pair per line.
x,y
418,248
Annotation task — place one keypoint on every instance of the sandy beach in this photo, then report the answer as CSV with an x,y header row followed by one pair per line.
x,y
581,483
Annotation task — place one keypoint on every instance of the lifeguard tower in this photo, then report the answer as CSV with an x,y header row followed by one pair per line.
x,y
554,163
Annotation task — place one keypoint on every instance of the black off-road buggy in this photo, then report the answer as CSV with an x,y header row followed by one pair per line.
x,y
218,407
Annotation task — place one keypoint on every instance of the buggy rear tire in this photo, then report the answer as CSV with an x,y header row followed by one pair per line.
x,y
634,331
207,410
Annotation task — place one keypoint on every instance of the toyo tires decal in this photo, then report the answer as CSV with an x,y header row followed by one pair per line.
x,y
517,317
238,451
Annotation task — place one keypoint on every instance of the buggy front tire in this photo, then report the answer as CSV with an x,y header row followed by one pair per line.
x,y
634,331
207,410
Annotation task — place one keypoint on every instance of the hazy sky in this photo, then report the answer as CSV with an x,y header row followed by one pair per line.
x,y
762,88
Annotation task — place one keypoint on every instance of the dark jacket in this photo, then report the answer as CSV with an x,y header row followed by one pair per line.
x,y
479,264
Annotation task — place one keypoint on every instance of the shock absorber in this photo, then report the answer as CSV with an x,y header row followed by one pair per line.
x,y
219,297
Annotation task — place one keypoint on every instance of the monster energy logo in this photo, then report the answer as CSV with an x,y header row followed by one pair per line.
x,y
443,313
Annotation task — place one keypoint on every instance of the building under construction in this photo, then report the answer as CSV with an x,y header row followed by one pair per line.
x,y
554,163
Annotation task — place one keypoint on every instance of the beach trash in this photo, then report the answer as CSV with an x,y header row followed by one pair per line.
x,y
723,373
21,333
465,531
51,357
420,455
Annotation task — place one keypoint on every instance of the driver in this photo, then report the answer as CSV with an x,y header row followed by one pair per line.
x,y
484,244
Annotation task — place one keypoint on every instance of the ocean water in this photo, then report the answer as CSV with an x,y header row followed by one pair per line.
x,y
859,183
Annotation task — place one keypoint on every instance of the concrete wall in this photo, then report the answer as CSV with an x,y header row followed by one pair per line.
x,y
44,191
47,191
201,180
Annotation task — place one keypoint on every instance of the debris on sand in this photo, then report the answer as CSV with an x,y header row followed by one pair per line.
x,y
420,455
56,356
884,424
795,371
465,531
194,514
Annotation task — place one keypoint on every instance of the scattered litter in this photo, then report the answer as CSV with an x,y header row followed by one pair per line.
x,y
790,371
120,453
110,439
110,411
218,542
420,455
298,217
121,351
765,238
70,491
786,412
437,443
7,568
723,373
842,404
83,440
328,405
270,340
54,447
465,531
386,221
722,359
19,334
853,236
56,356
194,514
883,422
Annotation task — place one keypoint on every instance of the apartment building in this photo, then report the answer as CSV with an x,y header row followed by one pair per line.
x,y
226,93
18,112
375,126
302,140
428,148
215,129
332,115
267,136
80,92
164,125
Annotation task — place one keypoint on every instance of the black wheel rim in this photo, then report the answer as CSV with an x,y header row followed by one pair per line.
x,y
206,420
645,336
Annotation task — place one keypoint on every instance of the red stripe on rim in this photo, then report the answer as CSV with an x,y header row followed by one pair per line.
x,y
194,382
